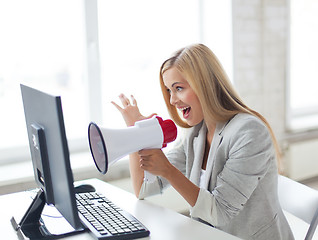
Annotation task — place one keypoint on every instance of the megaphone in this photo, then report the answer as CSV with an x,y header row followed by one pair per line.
x,y
109,145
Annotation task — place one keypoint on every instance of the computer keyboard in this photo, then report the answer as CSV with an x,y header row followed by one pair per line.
x,y
107,221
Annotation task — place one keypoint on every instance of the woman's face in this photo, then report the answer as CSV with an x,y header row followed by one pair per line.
x,y
183,97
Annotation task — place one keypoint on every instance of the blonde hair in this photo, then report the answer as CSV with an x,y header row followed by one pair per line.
x,y
206,76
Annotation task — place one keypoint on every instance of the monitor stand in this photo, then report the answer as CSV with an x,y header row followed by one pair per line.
x,y
32,226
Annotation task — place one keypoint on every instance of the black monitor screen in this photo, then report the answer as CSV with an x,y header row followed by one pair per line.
x,y
49,151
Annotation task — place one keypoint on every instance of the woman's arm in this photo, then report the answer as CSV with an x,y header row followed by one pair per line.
x,y
184,186
155,161
131,114
136,173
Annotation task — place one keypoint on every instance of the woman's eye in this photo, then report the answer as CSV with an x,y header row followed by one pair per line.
x,y
168,90
179,88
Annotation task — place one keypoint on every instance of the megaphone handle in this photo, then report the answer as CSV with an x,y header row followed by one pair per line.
x,y
149,177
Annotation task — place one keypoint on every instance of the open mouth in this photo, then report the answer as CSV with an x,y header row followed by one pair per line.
x,y
185,111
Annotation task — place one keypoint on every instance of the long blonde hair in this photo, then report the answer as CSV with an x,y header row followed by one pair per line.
x,y
206,76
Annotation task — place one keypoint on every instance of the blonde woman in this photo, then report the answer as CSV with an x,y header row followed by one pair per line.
x,y
225,166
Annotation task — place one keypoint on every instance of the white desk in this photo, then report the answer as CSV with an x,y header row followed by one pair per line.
x,y
163,223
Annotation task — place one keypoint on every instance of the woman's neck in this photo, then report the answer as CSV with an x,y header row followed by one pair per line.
x,y
210,133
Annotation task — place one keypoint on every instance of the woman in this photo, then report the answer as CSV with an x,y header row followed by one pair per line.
x,y
225,166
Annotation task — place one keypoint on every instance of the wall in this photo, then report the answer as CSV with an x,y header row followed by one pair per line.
x,y
302,159
260,44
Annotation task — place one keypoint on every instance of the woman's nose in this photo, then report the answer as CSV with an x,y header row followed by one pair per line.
x,y
173,98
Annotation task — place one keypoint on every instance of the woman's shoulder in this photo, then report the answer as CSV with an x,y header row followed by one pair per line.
x,y
245,120
245,123
245,117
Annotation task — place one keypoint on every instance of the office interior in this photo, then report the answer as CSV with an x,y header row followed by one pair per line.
x,y
91,51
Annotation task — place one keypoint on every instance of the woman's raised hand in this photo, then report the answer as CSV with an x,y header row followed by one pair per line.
x,y
130,110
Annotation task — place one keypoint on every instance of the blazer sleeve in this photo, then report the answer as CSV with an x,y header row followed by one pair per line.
x,y
248,152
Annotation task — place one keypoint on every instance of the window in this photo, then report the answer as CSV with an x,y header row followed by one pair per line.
x,y
137,36
58,45
41,45
303,75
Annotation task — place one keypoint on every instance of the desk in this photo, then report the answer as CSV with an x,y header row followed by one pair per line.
x,y
163,223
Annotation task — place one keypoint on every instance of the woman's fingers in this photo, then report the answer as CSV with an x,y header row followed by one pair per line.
x,y
145,152
117,106
124,100
145,158
152,160
130,110
146,164
134,102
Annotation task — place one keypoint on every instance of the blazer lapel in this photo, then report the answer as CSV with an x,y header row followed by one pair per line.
x,y
198,148
216,141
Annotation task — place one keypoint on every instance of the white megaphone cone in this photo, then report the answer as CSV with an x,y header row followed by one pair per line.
x,y
109,145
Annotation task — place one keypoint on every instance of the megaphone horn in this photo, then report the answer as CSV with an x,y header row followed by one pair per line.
x,y
109,145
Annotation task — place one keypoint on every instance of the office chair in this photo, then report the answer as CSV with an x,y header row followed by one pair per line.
x,y
299,200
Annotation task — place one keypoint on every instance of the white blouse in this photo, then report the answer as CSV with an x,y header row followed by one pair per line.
x,y
202,178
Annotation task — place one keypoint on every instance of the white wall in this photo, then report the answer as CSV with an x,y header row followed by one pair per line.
x,y
260,44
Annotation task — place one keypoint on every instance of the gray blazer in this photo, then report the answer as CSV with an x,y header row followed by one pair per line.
x,y
239,195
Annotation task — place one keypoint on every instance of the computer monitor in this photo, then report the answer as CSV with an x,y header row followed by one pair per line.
x,y
51,163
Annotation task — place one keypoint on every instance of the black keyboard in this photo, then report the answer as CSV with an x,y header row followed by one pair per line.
x,y
107,221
